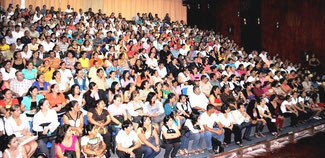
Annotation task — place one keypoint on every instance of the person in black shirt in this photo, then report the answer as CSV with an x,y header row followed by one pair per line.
x,y
164,53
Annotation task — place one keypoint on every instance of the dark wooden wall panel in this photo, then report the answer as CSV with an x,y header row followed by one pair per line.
x,y
227,16
301,28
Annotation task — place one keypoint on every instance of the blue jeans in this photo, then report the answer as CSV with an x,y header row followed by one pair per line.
x,y
248,127
115,130
209,135
147,151
197,140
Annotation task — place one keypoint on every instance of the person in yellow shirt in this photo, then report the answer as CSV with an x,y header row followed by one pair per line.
x,y
84,61
4,46
46,70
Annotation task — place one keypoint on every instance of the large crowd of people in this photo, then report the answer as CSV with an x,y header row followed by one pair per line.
x,y
85,84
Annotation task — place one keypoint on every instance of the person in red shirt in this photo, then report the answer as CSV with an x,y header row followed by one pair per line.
x,y
7,102
258,91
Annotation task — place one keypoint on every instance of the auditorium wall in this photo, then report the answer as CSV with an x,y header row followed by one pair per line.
x,y
128,8
300,26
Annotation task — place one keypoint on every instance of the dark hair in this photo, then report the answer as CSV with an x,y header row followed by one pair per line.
x,y
98,101
41,103
92,85
214,88
71,104
52,86
98,70
126,124
141,123
273,96
143,83
194,118
30,91
88,128
54,74
7,140
113,87
124,74
224,108
166,119
170,96
150,96
117,96
73,87
209,106
61,133
14,107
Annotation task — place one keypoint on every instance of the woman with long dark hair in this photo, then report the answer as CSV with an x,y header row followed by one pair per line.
x,y
171,137
18,62
74,118
275,111
256,120
214,97
92,95
155,109
149,138
13,149
126,79
170,104
31,100
115,90
61,82
66,144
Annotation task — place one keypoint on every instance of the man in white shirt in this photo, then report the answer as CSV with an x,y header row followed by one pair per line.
x,y
198,100
289,111
208,121
33,32
17,33
10,39
127,141
48,45
20,86
241,118
162,71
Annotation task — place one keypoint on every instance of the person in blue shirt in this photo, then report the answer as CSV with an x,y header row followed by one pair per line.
x,y
31,100
170,104
116,68
30,73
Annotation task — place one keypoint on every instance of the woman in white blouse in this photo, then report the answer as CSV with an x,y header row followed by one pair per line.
x,y
77,95
135,109
61,82
45,123
152,61
18,124
228,124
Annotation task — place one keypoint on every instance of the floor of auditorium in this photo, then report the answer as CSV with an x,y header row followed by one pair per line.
x,y
231,146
